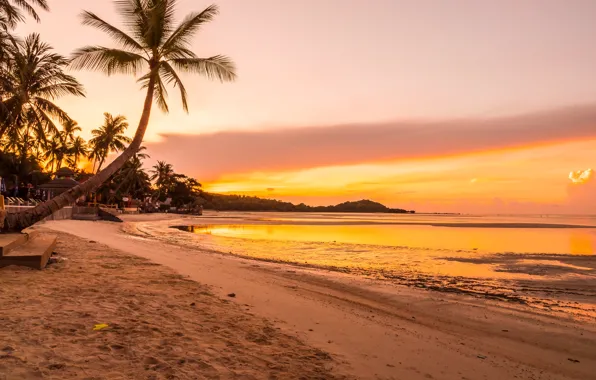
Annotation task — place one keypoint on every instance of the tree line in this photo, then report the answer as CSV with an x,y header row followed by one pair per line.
x,y
223,202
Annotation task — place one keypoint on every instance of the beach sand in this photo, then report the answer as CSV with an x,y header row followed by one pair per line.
x,y
284,321
160,325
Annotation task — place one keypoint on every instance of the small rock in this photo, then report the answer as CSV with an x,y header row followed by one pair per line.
x,y
390,366
311,330
8,349
481,357
505,330
92,241
193,304
573,360
329,341
232,295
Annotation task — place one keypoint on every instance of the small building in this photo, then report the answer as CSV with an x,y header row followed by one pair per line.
x,y
63,181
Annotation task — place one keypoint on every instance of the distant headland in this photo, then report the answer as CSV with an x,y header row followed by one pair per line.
x,y
222,202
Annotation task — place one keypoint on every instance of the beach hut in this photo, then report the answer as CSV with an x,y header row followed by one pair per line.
x,y
64,181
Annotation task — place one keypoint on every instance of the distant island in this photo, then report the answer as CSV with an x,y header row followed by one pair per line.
x,y
220,202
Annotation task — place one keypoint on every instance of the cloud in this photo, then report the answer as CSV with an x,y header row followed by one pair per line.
x,y
581,176
208,156
581,191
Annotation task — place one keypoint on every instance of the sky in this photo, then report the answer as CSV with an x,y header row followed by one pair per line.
x,y
470,106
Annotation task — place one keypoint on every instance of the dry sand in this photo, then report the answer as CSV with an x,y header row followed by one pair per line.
x,y
160,325
369,329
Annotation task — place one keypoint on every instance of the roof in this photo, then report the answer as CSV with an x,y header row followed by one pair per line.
x,y
64,172
60,183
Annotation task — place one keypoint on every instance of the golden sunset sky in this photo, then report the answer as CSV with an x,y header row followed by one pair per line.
x,y
438,106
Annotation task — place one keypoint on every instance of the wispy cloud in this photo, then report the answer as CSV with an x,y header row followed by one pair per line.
x,y
211,155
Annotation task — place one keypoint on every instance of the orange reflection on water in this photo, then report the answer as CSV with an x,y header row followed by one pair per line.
x,y
519,240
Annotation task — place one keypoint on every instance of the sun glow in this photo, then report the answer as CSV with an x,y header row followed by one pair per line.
x,y
508,175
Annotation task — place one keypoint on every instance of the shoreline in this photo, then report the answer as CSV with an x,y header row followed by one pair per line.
x,y
573,296
378,330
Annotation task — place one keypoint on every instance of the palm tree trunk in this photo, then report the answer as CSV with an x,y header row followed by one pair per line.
x,y
23,219
101,163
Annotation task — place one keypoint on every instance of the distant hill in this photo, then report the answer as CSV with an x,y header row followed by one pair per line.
x,y
222,202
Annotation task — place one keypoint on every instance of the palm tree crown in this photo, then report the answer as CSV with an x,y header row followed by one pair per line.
x,y
77,149
31,79
69,129
153,42
163,175
109,137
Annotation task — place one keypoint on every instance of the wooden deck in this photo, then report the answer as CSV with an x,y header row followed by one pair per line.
x,y
31,250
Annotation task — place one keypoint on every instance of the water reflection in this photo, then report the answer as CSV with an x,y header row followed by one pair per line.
x,y
523,240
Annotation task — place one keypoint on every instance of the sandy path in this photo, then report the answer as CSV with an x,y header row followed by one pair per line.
x,y
378,330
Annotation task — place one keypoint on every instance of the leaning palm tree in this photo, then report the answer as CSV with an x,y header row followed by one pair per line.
x,y
154,46
32,79
109,138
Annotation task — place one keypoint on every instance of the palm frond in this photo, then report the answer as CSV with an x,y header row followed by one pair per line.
x,y
11,14
216,67
161,95
134,14
91,19
51,109
182,35
161,19
63,85
110,61
170,75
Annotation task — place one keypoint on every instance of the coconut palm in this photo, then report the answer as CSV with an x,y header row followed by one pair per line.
x,y
32,79
163,175
109,138
54,154
78,149
132,179
69,129
154,46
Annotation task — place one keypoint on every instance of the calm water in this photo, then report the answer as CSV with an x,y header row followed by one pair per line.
x,y
425,243
492,255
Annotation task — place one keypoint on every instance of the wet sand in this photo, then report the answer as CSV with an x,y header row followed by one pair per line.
x,y
371,329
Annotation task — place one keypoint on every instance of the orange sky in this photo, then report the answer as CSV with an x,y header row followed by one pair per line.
x,y
488,110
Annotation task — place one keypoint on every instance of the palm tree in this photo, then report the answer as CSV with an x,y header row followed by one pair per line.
x,y
54,154
163,175
69,128
109,138
32,79
155,46
77,149
131,178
